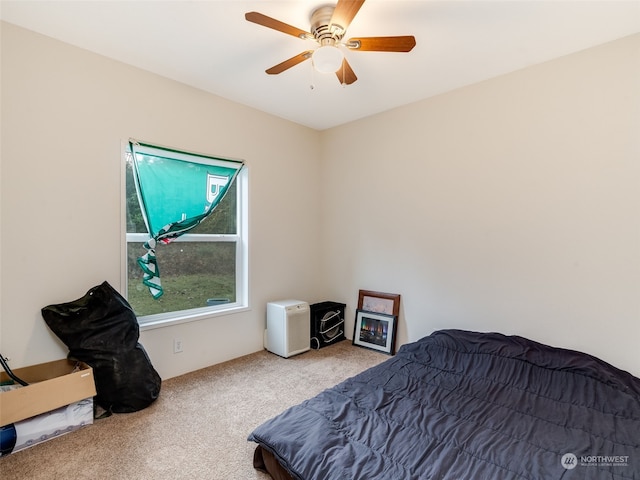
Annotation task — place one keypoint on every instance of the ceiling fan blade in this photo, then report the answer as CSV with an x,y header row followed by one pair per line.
x,y
382,44
344,13
292,62
269,22
345,73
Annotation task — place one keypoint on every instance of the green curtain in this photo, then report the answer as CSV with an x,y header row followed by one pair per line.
x,y
177,191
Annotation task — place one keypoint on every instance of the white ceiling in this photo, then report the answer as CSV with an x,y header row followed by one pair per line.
x,y
209,45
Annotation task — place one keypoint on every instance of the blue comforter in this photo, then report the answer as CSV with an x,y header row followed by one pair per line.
x,y
466,405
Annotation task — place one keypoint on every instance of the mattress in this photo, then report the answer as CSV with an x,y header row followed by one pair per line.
x,y
464,405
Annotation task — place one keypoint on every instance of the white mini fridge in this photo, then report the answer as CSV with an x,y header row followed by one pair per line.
x,y
288,327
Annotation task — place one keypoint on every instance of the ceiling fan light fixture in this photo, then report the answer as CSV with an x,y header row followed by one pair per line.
x,y
327,59
329,24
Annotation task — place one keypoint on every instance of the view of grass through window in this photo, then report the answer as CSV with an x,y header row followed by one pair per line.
x,y
197,270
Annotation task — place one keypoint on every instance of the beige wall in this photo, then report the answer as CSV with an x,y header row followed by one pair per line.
x,y
511,205
64,114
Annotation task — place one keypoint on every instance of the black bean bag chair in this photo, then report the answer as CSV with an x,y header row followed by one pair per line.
x,y
102,330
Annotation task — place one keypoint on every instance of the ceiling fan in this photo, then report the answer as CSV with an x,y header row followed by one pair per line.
x,y
328,25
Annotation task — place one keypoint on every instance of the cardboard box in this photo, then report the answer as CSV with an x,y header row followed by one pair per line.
x,y
51,385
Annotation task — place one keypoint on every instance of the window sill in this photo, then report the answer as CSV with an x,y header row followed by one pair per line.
x,y
162,321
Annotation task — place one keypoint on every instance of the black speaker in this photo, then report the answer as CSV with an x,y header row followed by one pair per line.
x,y
327,323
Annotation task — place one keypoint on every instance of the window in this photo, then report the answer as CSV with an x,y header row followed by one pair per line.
x,y
203,271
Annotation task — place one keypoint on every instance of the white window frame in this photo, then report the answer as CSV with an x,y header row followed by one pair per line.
x,y
242,256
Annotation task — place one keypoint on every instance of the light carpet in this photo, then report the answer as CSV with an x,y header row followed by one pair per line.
x,y
198,427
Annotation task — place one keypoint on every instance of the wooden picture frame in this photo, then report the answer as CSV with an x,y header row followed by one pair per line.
x,y
379,302
376,331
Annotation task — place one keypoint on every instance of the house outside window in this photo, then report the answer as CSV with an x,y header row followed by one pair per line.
x,y
203,272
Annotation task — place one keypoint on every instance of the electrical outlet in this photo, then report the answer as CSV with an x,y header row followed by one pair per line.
x,y
177,345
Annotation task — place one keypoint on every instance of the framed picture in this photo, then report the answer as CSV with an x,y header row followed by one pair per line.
x,y
376,331
379,302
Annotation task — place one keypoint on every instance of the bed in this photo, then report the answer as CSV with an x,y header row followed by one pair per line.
x,y
463,405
